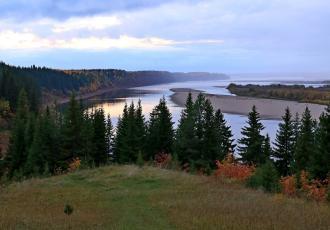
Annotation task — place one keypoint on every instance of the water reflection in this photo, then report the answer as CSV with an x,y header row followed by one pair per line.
x,y
113,102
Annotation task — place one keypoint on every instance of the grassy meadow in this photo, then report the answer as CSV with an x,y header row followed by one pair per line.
x,y
128,197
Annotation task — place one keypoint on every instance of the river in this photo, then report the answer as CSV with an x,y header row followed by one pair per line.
x,y
113,102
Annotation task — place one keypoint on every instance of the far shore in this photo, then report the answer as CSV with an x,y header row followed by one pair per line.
x,y
268,108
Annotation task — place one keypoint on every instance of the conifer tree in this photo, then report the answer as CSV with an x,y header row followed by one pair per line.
x,y
267,148
50,140
18,151
208,154
224,137
186,141
71,131
305,145
160,130
29,130
100,155
121,155
296,123
140,129
284,145
87,134
250,145
36,160
320,160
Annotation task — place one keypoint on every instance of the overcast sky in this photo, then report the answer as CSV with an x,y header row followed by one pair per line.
x,y
178,35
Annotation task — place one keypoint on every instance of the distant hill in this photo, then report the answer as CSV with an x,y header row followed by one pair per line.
x,y
65,81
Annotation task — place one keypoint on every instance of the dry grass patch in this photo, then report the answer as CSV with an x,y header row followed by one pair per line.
x,y
127,197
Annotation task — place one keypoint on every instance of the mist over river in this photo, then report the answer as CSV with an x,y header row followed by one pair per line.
x,y
113,102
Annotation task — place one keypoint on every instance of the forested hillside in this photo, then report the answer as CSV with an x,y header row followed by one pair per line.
x,y
65,81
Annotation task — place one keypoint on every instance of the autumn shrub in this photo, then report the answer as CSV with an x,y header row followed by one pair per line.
x,y
163,160
265,177
288,185
301,185
74,164
228,168
313,189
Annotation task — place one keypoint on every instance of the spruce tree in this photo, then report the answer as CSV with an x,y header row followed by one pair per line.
x,y
305,145
36,161
121,154
320,160
267,148
100,155
250,145
71,131
224,139
186,141
18,151
50,140
296,123
208,154
160,130
284,145
140,129
87,135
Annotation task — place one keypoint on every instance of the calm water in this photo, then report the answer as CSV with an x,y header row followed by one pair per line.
x,y
114,102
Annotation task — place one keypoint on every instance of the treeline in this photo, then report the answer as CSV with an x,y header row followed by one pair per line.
x,y
11,84
48,142
66,81
301,93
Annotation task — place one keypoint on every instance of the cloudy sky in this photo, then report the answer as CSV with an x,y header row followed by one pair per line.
x,y
178,35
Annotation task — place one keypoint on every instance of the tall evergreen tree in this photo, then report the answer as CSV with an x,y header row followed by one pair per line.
x,y
284,145
320,160
186,141
140,129
121,153
305,145
250,145
267,148
127,144
224,137
87,135
199,107
100,155
296,123
160,130
71,131
50,140
35,163
18,150
209,151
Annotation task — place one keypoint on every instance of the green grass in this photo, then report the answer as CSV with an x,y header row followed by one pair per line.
x,y
127,197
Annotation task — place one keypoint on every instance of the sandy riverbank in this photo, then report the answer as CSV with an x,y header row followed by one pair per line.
x,y
268,108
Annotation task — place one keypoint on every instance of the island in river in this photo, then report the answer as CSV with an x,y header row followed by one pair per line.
x,y
268,108
300,93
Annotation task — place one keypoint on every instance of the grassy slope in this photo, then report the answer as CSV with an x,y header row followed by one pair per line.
x,y
126,197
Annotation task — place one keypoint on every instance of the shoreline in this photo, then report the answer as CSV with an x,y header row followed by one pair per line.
x,y
269,109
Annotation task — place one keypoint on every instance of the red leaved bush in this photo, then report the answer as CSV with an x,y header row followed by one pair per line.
x,y
230,169
163,160
289,185
312,189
